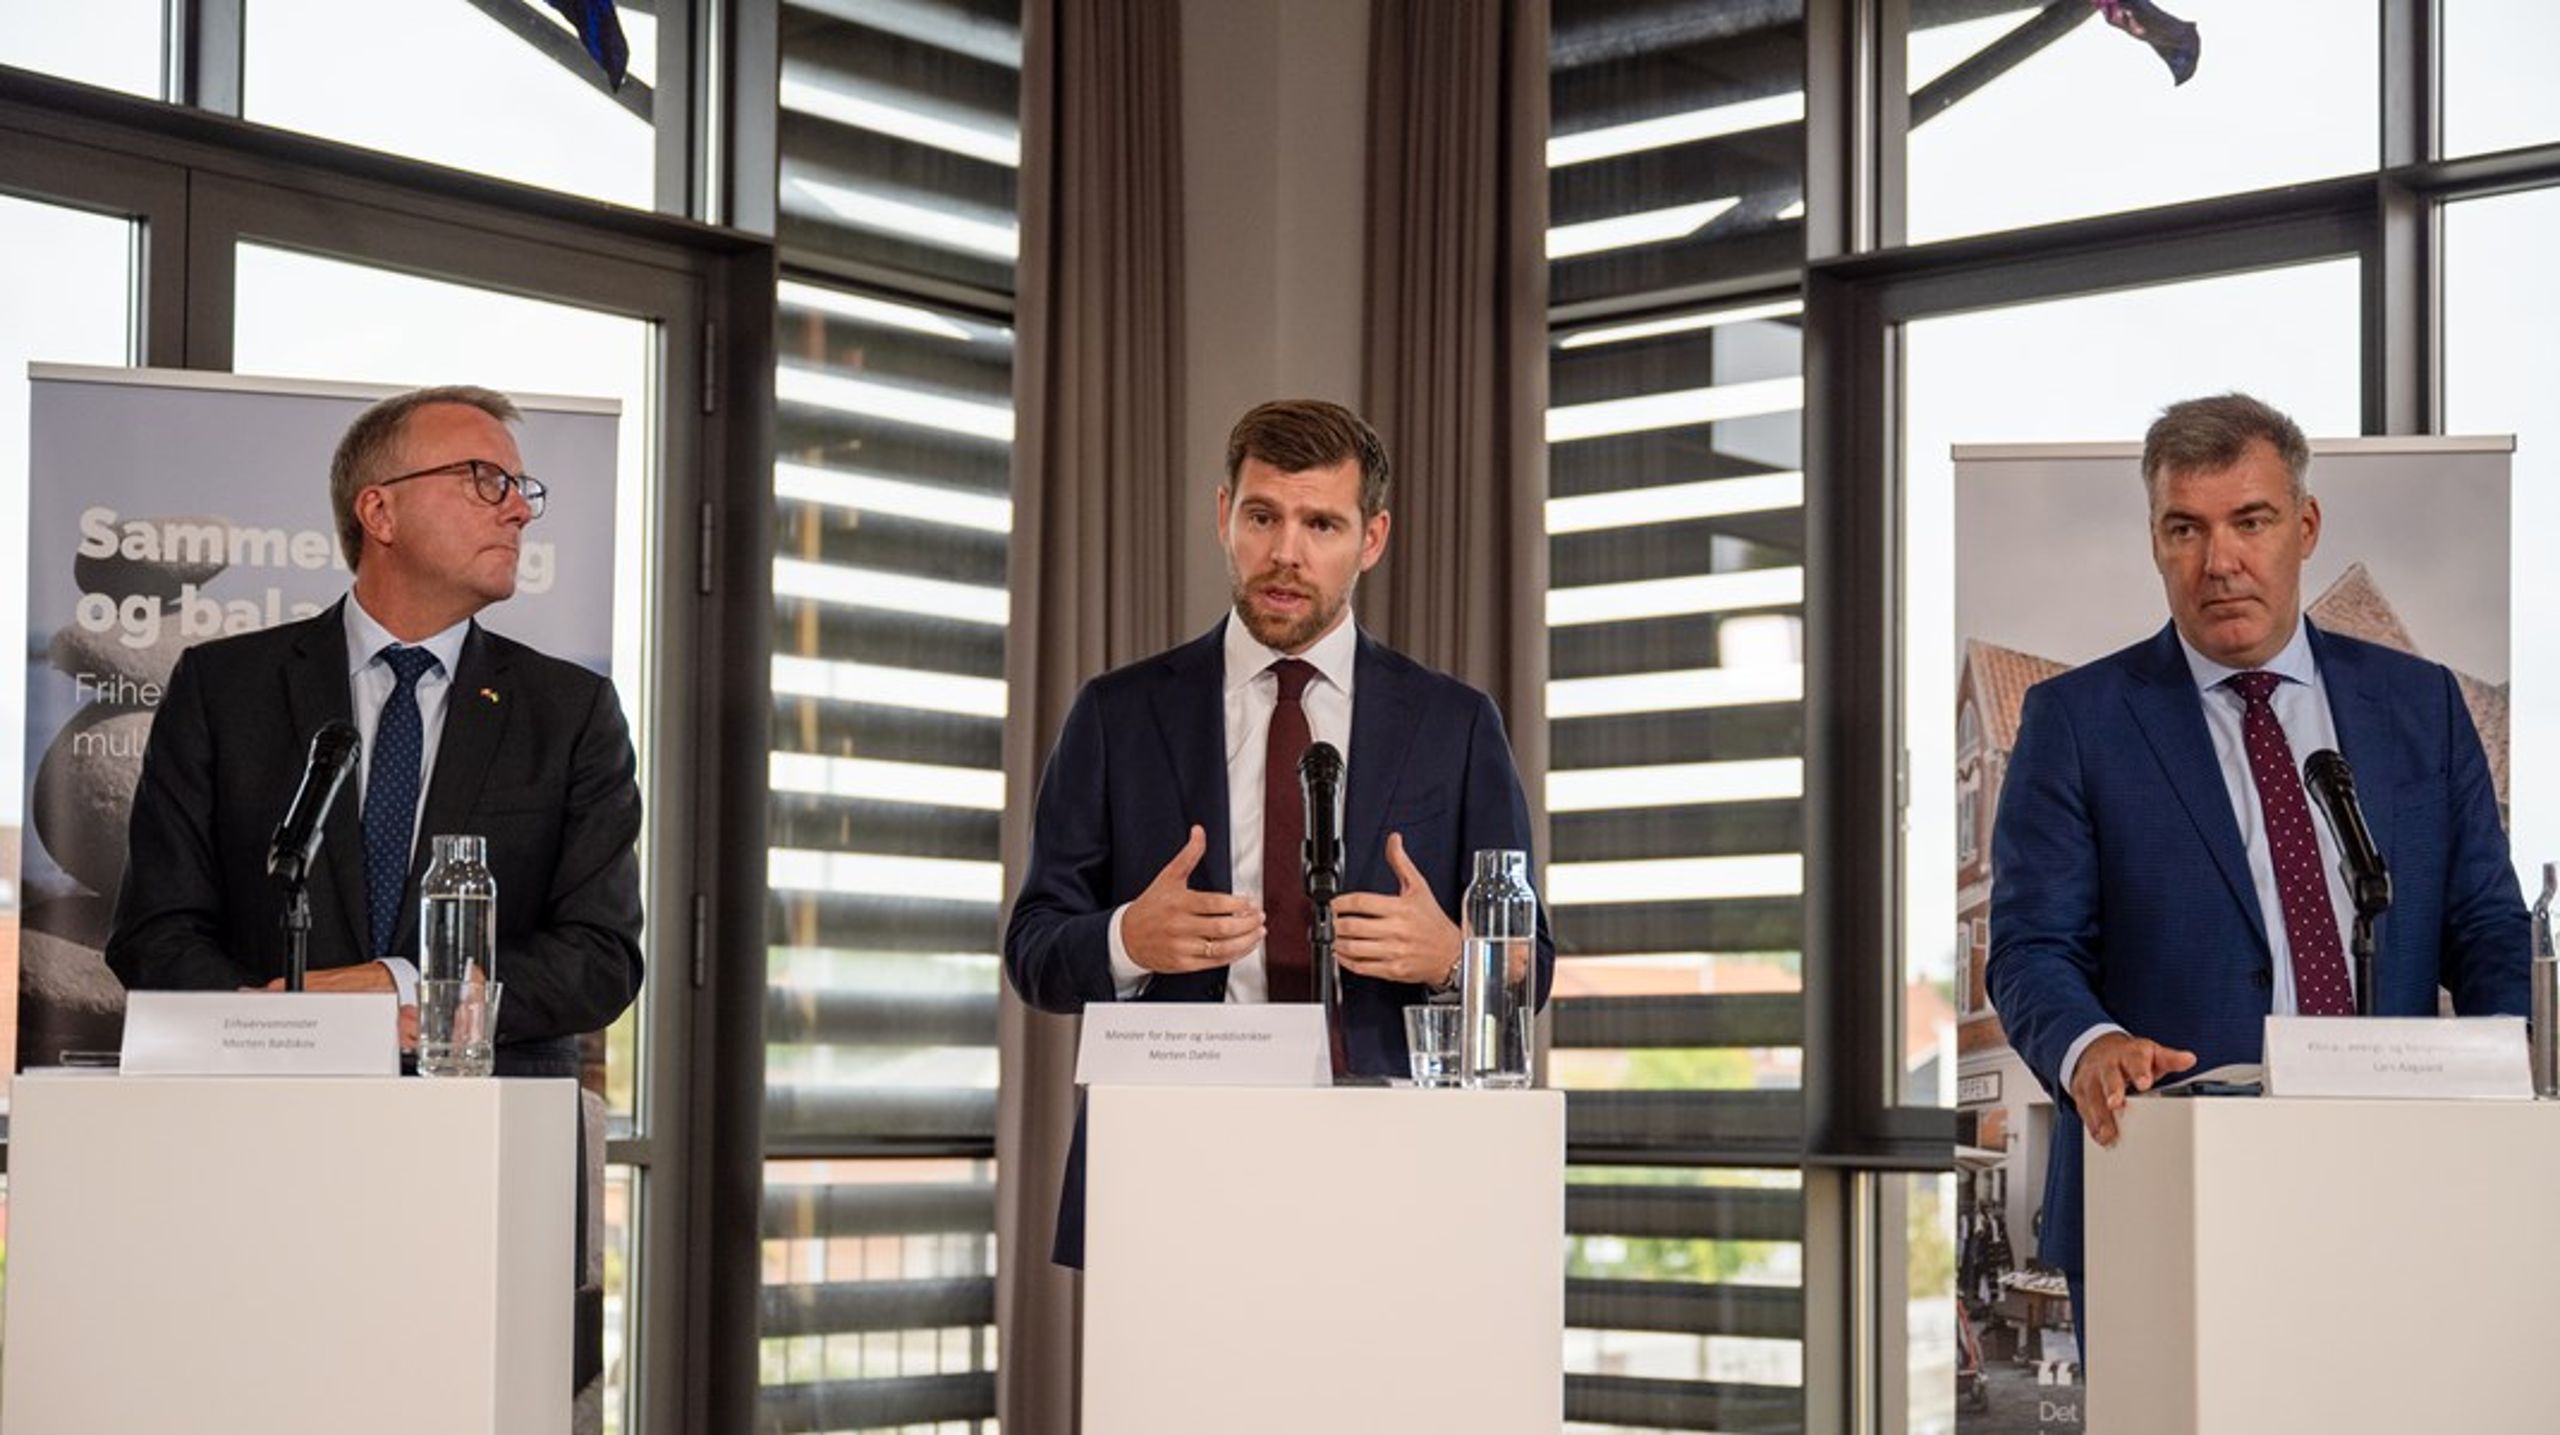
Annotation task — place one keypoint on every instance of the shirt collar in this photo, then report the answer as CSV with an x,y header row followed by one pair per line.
x,y
366,639
2293,663
1332,656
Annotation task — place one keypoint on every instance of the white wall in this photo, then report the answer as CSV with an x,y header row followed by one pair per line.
x,y
1274,107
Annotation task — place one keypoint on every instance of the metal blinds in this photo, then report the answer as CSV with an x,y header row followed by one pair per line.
x,y
1674,706
898,152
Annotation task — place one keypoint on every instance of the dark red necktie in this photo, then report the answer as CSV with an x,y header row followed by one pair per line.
x,y
2310,922
1287,956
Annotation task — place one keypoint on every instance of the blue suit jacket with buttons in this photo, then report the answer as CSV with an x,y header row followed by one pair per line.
x,y
2121,891
1142,757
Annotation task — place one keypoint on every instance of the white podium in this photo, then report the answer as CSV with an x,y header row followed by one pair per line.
x,y
2340,1266
288,1255
1273,1262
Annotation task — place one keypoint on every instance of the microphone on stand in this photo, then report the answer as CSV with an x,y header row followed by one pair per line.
x,y
2333,789
297,838
1320,859
1320,783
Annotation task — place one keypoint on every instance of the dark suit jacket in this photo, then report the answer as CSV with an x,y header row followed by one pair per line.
x,y
1143,757
534,756
2121,891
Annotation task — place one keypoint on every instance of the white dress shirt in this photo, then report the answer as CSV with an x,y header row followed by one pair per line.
x,y
2301,702
369,685
1252,691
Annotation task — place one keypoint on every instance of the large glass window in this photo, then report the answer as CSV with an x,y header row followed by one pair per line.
x,y
2035,114
496,88
301,315
71,302
2497,84
2020,375
2501,349
113,43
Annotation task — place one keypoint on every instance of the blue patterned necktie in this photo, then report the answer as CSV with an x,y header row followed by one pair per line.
x,y
391,792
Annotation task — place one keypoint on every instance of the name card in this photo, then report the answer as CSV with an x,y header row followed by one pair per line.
x,y
262,1034
2434,1058
1203,1044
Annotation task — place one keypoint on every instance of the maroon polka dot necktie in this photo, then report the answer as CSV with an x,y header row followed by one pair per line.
x,y
1288,955
2310,922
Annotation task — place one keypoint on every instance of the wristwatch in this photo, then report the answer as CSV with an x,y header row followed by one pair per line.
x,y
1448,981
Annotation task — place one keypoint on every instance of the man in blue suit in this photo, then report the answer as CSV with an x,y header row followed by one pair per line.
x,y
2159,883
1164,856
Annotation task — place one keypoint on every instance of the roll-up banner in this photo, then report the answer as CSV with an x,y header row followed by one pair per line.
x,y
167,508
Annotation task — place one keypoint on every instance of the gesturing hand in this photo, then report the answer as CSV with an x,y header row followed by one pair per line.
x,y
1170,928
1400,938
2109,1065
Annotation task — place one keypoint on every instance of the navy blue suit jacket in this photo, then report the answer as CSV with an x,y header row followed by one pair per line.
x,y
1143,757
2121,892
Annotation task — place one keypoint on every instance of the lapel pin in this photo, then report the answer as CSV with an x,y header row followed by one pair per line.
x,y
490,693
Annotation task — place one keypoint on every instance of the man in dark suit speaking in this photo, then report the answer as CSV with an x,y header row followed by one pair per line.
x,y
2160,884
464,732
1165,862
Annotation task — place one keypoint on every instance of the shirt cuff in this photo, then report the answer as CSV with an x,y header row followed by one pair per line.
x,y
1127,977
404,978
2071,1058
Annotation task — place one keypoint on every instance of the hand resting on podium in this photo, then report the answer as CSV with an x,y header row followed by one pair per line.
x,y
361,977
2114,1063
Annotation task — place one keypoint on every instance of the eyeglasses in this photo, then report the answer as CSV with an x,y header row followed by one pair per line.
x,y
489,481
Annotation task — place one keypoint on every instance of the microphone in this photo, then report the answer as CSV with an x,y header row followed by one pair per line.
x,y
1320,781
2333,786
297,838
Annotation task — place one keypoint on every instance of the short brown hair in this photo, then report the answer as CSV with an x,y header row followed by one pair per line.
x,y
2210,435
371,444
1294,435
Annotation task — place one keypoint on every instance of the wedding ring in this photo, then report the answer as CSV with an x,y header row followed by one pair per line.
x,y
1208,952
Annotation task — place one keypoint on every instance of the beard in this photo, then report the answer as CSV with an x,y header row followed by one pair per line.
x,y
1286,632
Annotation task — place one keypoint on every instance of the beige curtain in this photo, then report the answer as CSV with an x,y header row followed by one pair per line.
x,y
1456,374
1098,403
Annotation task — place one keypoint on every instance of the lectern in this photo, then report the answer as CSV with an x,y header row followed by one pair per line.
x,y
1264,1261
304,1254
2334,1265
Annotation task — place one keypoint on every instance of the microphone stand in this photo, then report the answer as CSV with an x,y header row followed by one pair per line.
x,y
297,931
1321,884
2372,893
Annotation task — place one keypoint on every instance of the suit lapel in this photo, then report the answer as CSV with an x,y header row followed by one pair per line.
x,y
2362,718
2165,704
316,693
476,711
1191,718
1384,713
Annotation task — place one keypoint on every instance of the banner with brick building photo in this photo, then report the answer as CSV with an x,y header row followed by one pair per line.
x,y
2053,569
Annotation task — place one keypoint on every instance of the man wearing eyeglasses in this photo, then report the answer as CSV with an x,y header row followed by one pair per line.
x,y
463,731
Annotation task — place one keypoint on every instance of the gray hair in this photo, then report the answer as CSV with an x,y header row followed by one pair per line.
x,y
2209,435
372,443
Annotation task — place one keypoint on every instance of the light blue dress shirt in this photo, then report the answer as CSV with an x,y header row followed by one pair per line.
x,y
369,684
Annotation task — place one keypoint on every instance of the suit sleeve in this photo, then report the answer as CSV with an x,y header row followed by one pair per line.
x,y
2043,972
580,967
2487,935
168,918
1496,815
1057,947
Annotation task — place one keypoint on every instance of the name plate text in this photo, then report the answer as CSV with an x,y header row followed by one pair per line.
x,y
1203,1044
2434,1058
262,1034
